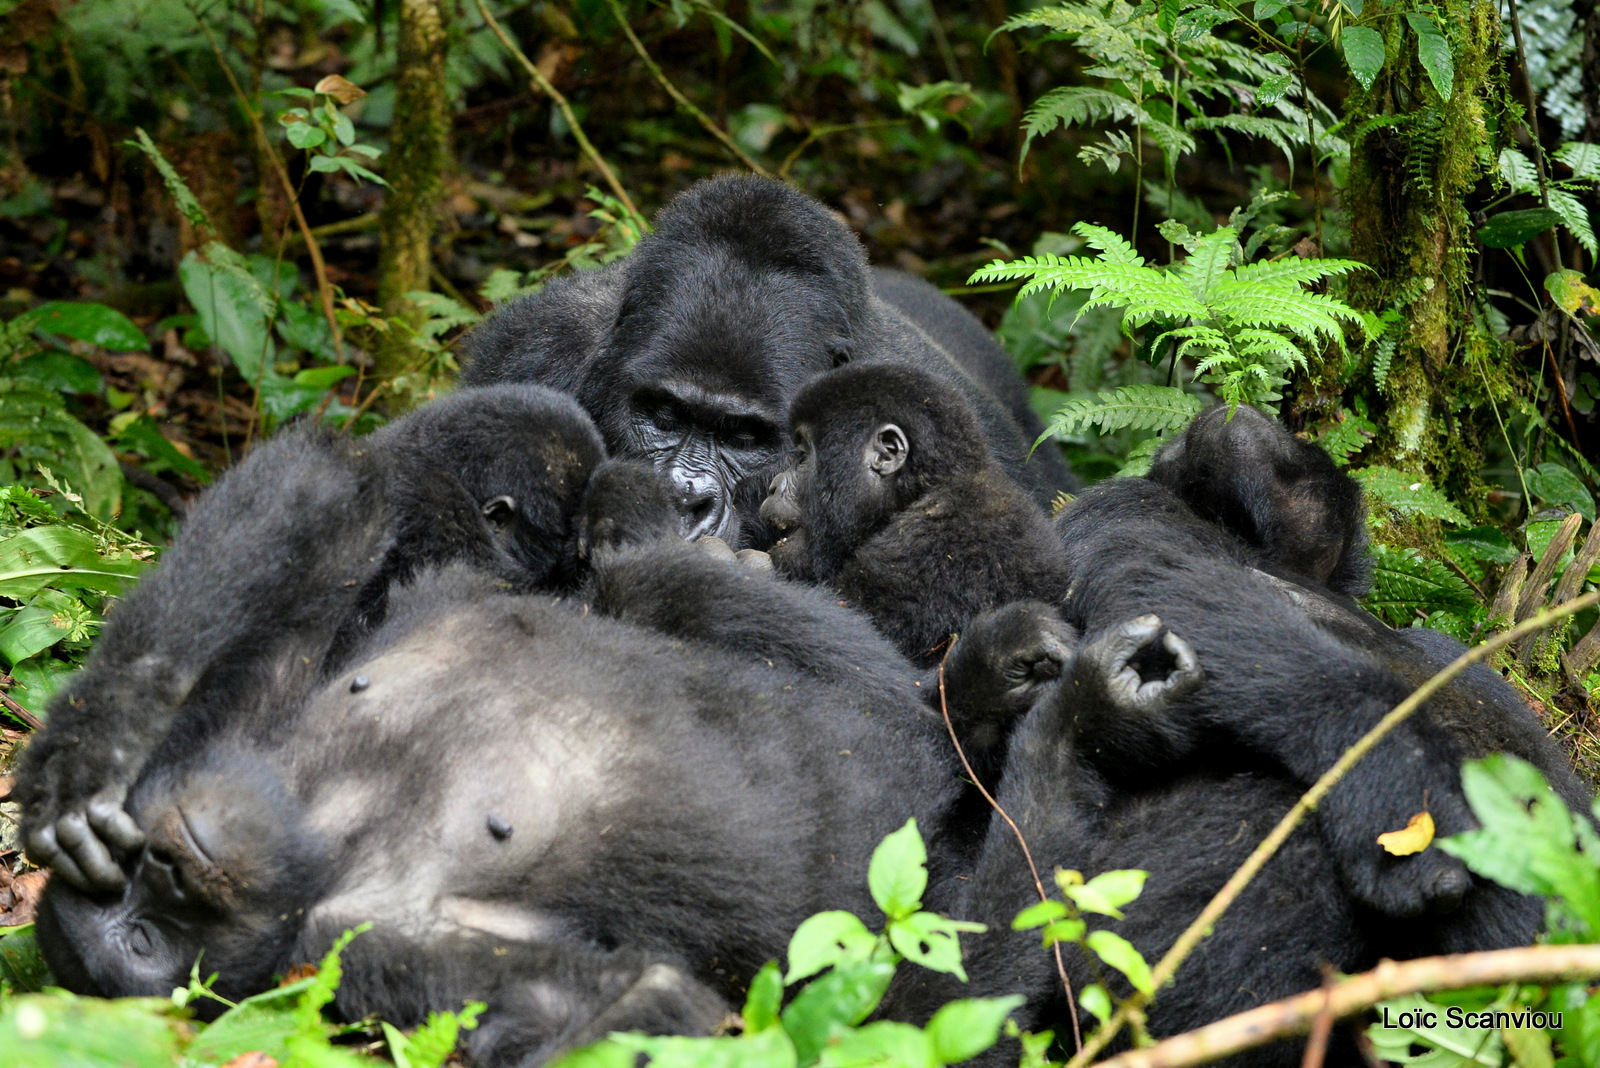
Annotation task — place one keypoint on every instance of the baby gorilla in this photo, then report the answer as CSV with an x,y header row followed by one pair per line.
x,y
489,477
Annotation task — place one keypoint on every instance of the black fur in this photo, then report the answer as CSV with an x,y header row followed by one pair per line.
x,y
688,351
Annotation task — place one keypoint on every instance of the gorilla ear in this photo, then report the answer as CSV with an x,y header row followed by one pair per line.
x,y
888,450
499,509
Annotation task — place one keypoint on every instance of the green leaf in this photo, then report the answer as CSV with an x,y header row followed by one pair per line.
x,y
430,1044
755,125
22,966
1528,841
762,1004
29,630
138,431
1167,15
1109,890
1138,407
1433,49
1406,585
1482,543
1444,1046
305,135
1094,998
932,941
59,371
1558,487
36,428
842,998
886,1043
262,1023
962,1029
94,323
823,940
604,1054
1066,930
1583,158
770,1048
188,206
1407,494
40,1030
233,307
1363,53
1511,228
1119,953
1038,915
898,874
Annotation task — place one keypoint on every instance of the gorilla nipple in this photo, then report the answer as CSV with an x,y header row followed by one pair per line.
x,y
499,827
359,683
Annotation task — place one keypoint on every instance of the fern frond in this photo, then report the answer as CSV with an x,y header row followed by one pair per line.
x,y
1408,494
1280,133
1347,437
1582,157
1115,247
1075,105
1408,586
1138,407
1575,217
1294,271
1208,263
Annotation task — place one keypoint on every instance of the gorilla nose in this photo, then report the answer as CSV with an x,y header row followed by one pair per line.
x,y
701,514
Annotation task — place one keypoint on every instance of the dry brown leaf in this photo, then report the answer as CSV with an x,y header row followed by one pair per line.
x,y
1414,837
253,1059
340,88
298,972
19,896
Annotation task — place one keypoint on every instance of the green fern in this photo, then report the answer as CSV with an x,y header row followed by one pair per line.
x,y
1409,495
1139,407
1244,325
1406,586
1347,437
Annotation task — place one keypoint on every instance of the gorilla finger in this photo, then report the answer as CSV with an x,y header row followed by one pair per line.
x,y
714,547
88,851
113,824
1187,672
44,851
755,560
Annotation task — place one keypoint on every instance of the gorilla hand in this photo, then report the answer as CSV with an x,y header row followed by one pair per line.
x,y
1006,658
1139,665
83,843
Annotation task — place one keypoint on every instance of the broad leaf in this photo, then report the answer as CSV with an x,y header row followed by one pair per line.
x,y
825,939
962,1029
1433,49
1363,53
94,323
898,874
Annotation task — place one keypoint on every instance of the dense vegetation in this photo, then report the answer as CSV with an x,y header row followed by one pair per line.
x,y
1373,216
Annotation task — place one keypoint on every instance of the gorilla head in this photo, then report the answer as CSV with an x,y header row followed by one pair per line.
x,y
721,322
688,351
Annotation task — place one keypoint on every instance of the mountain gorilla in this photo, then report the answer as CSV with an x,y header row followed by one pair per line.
x,y
490,477
891,501
687,351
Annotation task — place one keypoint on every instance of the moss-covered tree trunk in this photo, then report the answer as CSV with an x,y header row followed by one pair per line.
x,y
1416,155
419,158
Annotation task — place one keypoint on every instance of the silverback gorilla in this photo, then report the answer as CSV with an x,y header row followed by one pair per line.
x,y
687,351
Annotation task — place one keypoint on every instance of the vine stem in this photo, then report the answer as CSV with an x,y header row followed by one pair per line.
x,y
684,102
1027,854
542,83
1531,120
1191,937
318,267
1295,1015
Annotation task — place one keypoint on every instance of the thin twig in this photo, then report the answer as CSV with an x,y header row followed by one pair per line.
x,y
1322,1026
1294,1016
1038,884
1206,921
314,250
1531,120
28,719
682,101
542,83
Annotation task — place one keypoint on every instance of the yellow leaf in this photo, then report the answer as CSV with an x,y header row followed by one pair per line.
x,y
340,88
1413,838
1572,293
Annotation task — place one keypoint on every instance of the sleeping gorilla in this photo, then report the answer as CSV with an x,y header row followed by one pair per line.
x,y
491,478
688,351
894,502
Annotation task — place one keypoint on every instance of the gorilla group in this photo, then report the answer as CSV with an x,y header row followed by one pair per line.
x,y
467,679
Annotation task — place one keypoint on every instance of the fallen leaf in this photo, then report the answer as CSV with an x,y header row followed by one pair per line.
x,y
6,785
340,88
19,895
253,1059
1413,838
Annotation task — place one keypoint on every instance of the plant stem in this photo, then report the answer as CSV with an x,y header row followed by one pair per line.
x,y
314,250
542,83
1164,970
682,101
1531,120
1296,1015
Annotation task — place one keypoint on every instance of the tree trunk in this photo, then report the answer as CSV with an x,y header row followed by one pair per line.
x,y
419,157
1415,158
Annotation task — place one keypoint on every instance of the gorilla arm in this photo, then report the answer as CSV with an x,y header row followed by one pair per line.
x,y
273,555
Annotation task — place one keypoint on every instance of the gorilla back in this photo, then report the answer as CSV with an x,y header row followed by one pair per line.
x,y
586,850
688,351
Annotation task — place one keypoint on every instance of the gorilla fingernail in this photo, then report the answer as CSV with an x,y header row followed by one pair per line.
x,y
499,827
359,683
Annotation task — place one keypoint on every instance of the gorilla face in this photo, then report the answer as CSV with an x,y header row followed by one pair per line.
x,y
223,875
708,366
